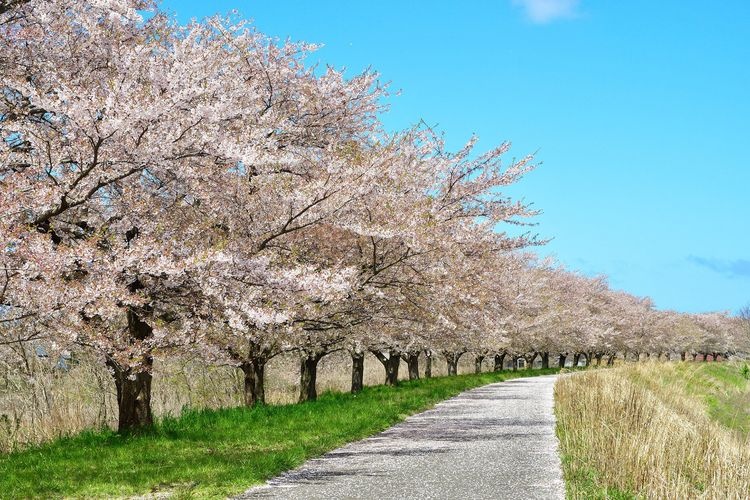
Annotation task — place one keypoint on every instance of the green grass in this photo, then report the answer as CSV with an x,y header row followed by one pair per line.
x,y
723,389
583,482
219,453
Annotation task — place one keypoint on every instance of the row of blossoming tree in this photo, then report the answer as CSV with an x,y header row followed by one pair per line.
x,y
198,188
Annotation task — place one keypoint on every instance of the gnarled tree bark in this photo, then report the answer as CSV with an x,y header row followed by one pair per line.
x,y
134,386
452,357
390,360
308,375
478,363
529,358
515,362
252,361
412,363
576,359
358,370
499,362
254,388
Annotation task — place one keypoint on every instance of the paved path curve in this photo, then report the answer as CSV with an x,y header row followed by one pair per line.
x,y
497,441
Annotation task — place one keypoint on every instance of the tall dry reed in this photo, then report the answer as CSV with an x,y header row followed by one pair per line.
x,y
641,436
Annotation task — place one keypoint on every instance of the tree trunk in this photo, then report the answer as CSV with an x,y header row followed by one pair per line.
x,y
391,365
530,361
576,359
611,359
598,357
705,358
133,397
412,364
428,364
391,370
683,355
499,362
452,367
694,355
254,389
358,371
478,363
452,358
134,387
545,360
308,375
561,361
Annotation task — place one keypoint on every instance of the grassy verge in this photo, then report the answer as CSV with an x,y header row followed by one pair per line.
x,y
724,388
219,453
653,430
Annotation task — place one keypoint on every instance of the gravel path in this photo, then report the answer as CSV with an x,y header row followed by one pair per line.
x,y
497,441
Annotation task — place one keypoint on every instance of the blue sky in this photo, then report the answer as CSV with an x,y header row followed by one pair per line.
x,y
639,112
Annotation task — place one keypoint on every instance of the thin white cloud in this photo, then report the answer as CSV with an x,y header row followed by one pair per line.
x,y
546,11
739,268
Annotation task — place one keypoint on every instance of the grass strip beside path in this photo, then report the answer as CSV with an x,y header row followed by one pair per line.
x,y
221,452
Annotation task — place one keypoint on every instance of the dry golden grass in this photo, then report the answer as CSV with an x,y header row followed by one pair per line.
x,y
625,433
39,402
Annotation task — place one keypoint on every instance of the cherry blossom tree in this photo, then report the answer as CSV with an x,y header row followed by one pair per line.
x,y
134,175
